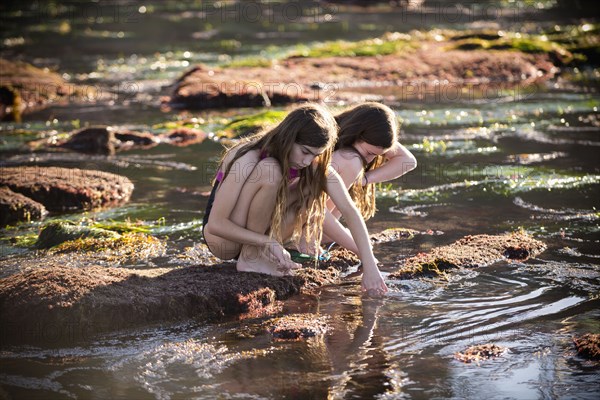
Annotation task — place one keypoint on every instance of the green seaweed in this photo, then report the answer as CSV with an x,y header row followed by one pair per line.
x,y
252,123
518,42
385,45
60,231
249,62
28,240
122,226
129,245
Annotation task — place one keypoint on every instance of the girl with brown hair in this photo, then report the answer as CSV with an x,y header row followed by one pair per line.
x,y
273,187
367,152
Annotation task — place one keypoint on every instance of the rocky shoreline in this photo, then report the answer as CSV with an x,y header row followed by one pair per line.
x,y
89,299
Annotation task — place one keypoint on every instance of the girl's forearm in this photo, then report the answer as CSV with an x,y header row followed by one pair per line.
x,y
229,230
360,236
402,162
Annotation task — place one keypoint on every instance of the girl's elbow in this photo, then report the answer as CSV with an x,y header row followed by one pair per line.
x,y
212,227
412,164
350,210
409,164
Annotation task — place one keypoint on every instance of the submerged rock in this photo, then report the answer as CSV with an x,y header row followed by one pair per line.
x,y
470,252
588,345
67,189
297,327
15,207
480,352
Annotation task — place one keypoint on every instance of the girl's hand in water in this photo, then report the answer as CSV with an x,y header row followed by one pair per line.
x,y
373,283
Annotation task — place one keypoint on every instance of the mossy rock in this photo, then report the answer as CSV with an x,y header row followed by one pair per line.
x,y
558,52
250,124
471,251
58,232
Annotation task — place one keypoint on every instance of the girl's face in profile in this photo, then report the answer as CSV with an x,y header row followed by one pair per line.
x,y
368,151
302,155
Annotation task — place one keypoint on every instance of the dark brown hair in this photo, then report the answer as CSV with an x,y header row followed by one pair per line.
x,y
377,125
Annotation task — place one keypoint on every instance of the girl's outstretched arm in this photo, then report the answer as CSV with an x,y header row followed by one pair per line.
x,y
399,161
372,279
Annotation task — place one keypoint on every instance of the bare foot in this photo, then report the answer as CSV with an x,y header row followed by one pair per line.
x,y
252,259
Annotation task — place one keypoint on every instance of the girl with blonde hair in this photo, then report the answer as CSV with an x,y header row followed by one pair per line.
x,y
273,187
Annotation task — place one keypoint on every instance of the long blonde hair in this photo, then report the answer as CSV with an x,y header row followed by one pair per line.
x,y
377,125
311,125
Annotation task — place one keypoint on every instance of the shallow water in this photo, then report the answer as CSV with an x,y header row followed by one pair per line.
x,y
486,165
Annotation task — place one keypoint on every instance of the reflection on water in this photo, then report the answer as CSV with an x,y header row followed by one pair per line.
x,y
522,159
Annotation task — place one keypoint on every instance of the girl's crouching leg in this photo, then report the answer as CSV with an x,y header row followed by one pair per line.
x,y
255,259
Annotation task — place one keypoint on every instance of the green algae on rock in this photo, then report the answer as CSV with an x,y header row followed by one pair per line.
x,y
469,252
57,232
250,124
419,62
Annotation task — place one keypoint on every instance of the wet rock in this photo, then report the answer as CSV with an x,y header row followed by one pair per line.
x,y
98,140
392,235
250,124
105,140
588,345
63,189
203,87
58,232
419,73
15,207
298,327
470,252
127,140
92,299
183,137
25,88
340,260
480,352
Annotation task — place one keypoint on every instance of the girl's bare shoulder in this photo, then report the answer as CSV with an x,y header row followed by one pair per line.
x,y
251,156
346,159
